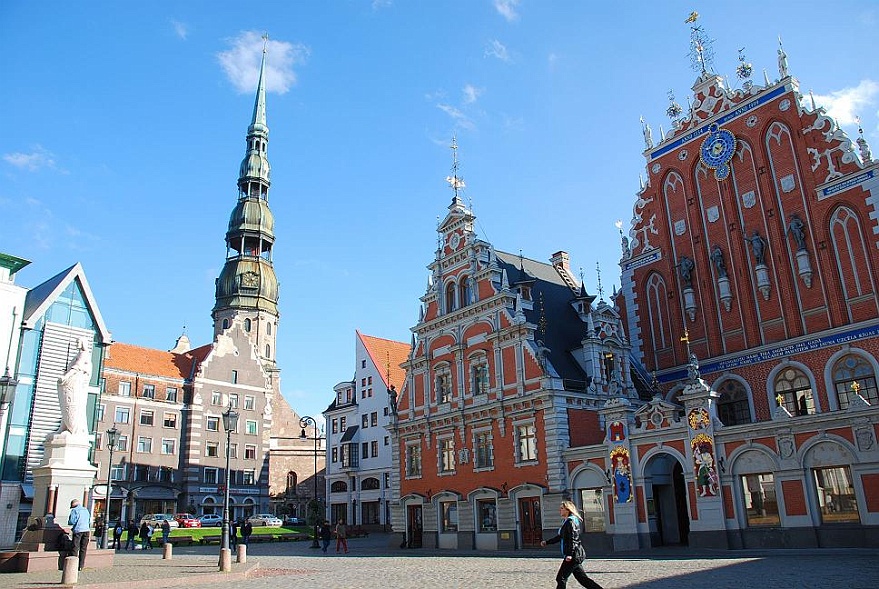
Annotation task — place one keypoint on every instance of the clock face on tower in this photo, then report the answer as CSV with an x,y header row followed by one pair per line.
x,y
717,150
250,280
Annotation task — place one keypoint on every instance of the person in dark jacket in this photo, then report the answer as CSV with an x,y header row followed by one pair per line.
x,y
233,534
572,551
246,531
326,534
117,535
146,536
132,535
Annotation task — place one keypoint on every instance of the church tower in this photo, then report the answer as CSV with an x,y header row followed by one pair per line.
x,y
247,289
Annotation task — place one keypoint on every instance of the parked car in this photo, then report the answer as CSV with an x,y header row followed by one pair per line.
x,y
157,519
292,520
211,520
187,520
265,519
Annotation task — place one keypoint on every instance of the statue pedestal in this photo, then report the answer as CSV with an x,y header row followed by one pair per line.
x,y
65,475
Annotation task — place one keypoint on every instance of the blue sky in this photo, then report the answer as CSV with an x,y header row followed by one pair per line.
x,y
123,127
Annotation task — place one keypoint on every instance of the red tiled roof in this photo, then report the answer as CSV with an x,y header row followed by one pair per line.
x,y
148,361
384,351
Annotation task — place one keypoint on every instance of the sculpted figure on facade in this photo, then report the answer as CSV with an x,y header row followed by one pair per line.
x,y
717,258
758,246
686,269
797,231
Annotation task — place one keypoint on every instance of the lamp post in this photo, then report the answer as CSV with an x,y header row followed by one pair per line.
x,y
112,436
303,423
230,423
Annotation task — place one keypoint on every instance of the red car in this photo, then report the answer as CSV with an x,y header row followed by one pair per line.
x,y
187,520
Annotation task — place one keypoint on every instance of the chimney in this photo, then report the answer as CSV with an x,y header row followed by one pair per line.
x,y
561,261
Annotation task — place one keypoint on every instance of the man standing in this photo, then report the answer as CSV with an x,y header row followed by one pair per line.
x,y
80,522
246,531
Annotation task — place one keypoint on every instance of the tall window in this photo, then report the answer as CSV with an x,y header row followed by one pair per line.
x,y
486,511
450,297
233,400
101,410
216,398
836,495
761,506
413,460
449,515
733,407
122,444
122,414
291,481
793,391
210,476
443,388
447,455
169,445
480,379
527,443
849,370
483,450
249,402
593,509
250,425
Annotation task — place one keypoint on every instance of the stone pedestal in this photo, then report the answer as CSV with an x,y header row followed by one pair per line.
x,y
65,475
804,267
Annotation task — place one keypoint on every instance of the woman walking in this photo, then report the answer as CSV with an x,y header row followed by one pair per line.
x,y
572,551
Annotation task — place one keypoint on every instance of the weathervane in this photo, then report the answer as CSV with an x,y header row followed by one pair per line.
x,y
674,109
453,180
744,69
701,47
600,288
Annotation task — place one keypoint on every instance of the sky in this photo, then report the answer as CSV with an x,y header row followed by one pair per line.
x,y
122,127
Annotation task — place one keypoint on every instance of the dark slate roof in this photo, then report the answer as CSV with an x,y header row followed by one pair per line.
x,y
564,329
39,294
349,434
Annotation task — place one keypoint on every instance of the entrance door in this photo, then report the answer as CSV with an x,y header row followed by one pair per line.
x,y
667,508
413,526
531,522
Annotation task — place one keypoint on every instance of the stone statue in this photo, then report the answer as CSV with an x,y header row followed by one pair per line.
x,y
693,368
795,228
648,135
782,63
73,393
686,269
717,258
757,246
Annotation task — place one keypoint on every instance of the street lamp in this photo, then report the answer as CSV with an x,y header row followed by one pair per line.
x,y
230,423
112,436
303,423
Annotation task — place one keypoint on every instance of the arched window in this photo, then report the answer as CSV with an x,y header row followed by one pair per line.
x,y
733,407
450,297
292,480
269,328
793,391
464,291
369,484
225,324
852,369
658,313
268,351
338,487
247,325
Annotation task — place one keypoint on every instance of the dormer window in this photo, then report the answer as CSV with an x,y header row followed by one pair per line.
x,y
525,291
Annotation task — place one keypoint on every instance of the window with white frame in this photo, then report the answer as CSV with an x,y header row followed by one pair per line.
x,y
233,400
171,394
210,475
373,446
373,419
216,398
249,402
99,441
482,449
793,391
122,415
478,375
169,446
248,477
526,443
250,427
101,410
413,460
212,449
447,455
124,388
212,424
122,444
443,386
146,417
250,451
853,375
169,420
233,450
144,445
149,391
117,472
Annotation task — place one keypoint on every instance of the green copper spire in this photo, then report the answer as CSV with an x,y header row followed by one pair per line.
x,y
255,175
258,124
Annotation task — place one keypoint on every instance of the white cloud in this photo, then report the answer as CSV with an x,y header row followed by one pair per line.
x,y
846,104
241,62
507,9
39,158
180,29
379,4
497,49
471,94
461,119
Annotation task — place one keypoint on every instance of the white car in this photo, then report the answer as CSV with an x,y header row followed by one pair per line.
x,y
265,519
157,519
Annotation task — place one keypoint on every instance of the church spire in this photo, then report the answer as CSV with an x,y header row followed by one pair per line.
x,y
258,124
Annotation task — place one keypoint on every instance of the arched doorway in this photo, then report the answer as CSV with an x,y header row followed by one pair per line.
x,y
666,491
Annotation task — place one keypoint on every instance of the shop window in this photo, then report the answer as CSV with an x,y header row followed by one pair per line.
x,y
793,391
853,373
761,505
486,511
592,504
449,515
733,407
836,495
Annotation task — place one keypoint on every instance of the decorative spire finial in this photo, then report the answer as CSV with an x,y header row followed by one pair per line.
x,y
701,51
648,134
744,70
541,324
454,181
600,288
812,97
265,41
863,146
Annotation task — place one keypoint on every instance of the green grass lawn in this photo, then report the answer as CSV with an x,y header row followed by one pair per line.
x,y
199,533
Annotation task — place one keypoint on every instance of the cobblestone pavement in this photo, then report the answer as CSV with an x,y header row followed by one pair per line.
x,y
371,563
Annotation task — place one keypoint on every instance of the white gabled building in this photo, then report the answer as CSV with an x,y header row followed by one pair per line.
x,y
359,466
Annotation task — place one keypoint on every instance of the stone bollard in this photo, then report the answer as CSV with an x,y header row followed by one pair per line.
x,y
167,551
70,574
225,560
242,553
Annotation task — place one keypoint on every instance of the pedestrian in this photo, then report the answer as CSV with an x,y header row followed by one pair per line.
x,y
233,534
341,536
132,535
99,534
146,536
326,534
572,550
117,535
80,522
246,531
166,531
